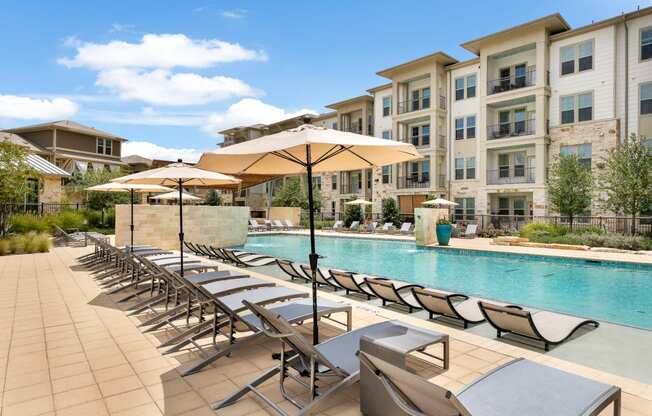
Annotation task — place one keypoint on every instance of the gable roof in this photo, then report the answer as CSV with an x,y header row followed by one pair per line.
x,y
5,136
67,125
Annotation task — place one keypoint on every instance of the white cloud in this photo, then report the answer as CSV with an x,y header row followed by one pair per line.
x,y
234,14
71,41
154,151
120,27
17,107
248,111
164,88
147,117
160,51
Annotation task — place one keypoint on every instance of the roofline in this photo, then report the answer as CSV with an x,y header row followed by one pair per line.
x,y
364,97
462,64
386,73
52,125
265,126
379,88
602,23
469,44
323,116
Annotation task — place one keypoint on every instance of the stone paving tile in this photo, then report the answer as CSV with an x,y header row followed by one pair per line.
x,y
66,349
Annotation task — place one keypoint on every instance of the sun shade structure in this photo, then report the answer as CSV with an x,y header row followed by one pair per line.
x,y
441,201
131,188
179,174
305,150
175,195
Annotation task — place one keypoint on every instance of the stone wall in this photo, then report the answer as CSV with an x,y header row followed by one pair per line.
x,y
425,222
51,190
158,225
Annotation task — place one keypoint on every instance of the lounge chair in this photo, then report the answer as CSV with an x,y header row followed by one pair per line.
x,y
355,225
352,282
406,228
242,261
254,226
394,291
289,225
320,276
548,327
334,359
278,225
518,388
371,227
471,231
450,305
339,224
288,267
387,227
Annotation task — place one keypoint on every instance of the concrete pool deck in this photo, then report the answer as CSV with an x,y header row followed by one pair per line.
x,y
69,349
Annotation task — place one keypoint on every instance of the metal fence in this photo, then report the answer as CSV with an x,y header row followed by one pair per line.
x,y
42,208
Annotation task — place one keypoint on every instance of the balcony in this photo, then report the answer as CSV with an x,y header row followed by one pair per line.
x,y
418,141
507,175
353,128
513,129
512,82
348,188
409,182
414,104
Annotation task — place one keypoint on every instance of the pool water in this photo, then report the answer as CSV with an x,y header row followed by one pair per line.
x,y
620,293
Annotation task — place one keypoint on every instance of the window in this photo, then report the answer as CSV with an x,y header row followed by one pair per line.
x,y
646,43
425,98
470,86
465,209
503,123
459,89
387,106
425,135
470,168
519,121
414,135
503,206
316,182
505,77
645,96
387,135
470,127
577,107
567,110
459,168
519,207
100,146
648,144
334,182
519,164
585,107
459,128
503,165
576,58
387,174
425,170
108,147
519,76
582,151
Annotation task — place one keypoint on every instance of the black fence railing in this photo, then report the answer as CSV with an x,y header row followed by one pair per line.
x,y
511,129
42,208
347,188
610,224
511,174
414,104
340,216
512,82
418,141
409,182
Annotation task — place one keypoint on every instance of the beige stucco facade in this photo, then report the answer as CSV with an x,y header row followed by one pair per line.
x,y
158,225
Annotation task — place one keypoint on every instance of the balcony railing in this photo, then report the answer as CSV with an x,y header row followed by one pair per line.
x,y
414,104
418,141
510,175
347,188
512,82
512,129
413,181
354,128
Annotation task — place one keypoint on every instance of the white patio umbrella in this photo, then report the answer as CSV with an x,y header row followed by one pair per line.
x,y
441,201
179,174
174,196
359,202
307,149
131,188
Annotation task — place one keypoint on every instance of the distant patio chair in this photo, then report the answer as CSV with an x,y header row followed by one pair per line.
x,y
406,228
354,226
471,231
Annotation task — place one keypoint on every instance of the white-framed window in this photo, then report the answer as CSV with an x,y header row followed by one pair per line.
x,y
334,182
459,128
582,151
459,89
577,57
459,168
576,108
646,43
470,168
645,98
470,127
465,209
470,86
316,182
387,174
387,106
387,134
104,146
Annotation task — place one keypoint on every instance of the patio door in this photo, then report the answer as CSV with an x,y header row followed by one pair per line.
x,y
519,207
503,206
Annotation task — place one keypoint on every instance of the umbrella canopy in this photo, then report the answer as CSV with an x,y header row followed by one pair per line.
x,y
440,201
175,195
179,174
307,149
285,153
359,202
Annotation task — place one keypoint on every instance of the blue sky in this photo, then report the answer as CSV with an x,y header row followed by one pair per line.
x,y
169,77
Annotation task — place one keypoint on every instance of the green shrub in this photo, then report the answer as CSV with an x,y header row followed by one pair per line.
x,y
68,220
4,247
589,229
24,223
109,218
17,243
538,229
93,218
31,242
42,243
621,242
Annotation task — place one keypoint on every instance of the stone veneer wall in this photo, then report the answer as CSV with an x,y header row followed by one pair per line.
x,y
51,190
158,225
603,136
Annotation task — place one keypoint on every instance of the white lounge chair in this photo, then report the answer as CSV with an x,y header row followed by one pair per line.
x,y
471,231
406,228
354,226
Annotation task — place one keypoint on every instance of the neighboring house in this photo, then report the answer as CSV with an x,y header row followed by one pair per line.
x,y
48,187
75,147
137,163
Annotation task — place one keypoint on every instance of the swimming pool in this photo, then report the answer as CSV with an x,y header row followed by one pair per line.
x,y
620,293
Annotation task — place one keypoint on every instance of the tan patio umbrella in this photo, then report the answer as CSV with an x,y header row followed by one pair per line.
x,y
307,149
131,188
179,174
441,201
174,196
362,203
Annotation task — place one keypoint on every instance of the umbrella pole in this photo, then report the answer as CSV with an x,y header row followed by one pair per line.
x,y
131,226
313,257
181,225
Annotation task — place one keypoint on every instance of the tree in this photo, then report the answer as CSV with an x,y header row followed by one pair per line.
x,y
570,186
352,213
213,198
98,200
293,194
14,173
626,179
390,211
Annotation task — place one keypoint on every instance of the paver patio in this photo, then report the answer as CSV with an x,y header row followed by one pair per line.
x,y
68,349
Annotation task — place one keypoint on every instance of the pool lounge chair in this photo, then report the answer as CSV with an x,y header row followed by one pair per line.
x,y
450,305
243,261
406,228
278,225
355,226
288,267
519,388
352,282
548,327
254,226
289,225
386,228
339,224
371,227
471,231
394,292
322,276
335,359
